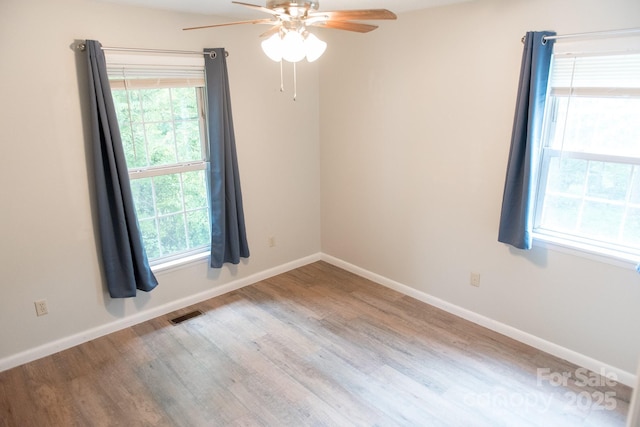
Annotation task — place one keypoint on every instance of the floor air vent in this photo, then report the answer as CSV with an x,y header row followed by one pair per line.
x,y
184,317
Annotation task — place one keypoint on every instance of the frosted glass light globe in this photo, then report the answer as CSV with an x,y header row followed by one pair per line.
x,y
273,47
314,47
293,47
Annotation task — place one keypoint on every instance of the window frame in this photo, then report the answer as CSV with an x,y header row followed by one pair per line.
x,y
162,70
613,253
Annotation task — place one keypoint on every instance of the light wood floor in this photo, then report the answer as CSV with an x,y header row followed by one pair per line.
x,y
313,347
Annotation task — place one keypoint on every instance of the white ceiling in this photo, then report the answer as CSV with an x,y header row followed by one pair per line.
x,y
227,9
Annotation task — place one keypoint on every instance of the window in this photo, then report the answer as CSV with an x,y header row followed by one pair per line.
x,y
161,117
589,185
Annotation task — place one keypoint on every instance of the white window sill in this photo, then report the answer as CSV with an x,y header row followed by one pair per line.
x,y
558,244
180,262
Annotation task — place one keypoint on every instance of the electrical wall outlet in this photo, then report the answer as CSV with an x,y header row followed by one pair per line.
x,y
41,307
272,241
474,280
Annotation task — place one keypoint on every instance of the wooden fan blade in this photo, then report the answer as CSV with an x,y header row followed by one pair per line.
x,y
356,15
253,21
256,7
271,31
347,26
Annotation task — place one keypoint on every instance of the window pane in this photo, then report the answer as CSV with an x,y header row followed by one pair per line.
x,y
598,125
560,213
121,103
168,194
163,222
172,234
150,237
128,107
135,106
195,192
198,226
160,141
156,104
134,147
601,220
185,103
131,128
608,180
188,140
142,190
567,176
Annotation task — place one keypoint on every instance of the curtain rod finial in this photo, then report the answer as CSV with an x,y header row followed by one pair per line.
x,y
78,45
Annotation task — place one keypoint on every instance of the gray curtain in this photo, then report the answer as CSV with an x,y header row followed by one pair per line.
x,y
516,218
228,234
124,259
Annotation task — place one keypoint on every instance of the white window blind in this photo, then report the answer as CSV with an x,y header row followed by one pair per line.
x,y
148,71
585,72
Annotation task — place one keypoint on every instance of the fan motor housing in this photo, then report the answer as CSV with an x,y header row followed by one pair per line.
x,y
293,8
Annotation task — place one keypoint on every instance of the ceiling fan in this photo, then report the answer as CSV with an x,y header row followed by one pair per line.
x,y
289,38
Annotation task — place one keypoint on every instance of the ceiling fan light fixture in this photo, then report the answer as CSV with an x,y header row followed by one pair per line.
x,y
273,47
293,46
314,47
288,37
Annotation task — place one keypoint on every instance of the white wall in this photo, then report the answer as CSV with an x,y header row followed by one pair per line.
x,y
415,133
47,242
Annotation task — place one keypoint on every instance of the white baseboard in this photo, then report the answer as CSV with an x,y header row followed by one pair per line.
x,y
142,316
579,359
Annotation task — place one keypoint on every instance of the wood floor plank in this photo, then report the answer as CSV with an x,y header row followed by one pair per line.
x,y
316,346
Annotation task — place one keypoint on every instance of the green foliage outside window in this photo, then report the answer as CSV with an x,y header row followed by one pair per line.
x,y
161,127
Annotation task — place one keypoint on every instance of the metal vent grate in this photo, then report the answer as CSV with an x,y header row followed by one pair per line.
x,y
185,317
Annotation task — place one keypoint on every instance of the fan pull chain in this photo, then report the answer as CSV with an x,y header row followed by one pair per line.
x,y
281,78
295,82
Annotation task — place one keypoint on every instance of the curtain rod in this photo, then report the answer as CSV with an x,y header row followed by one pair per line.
x,y
82,47
612,33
